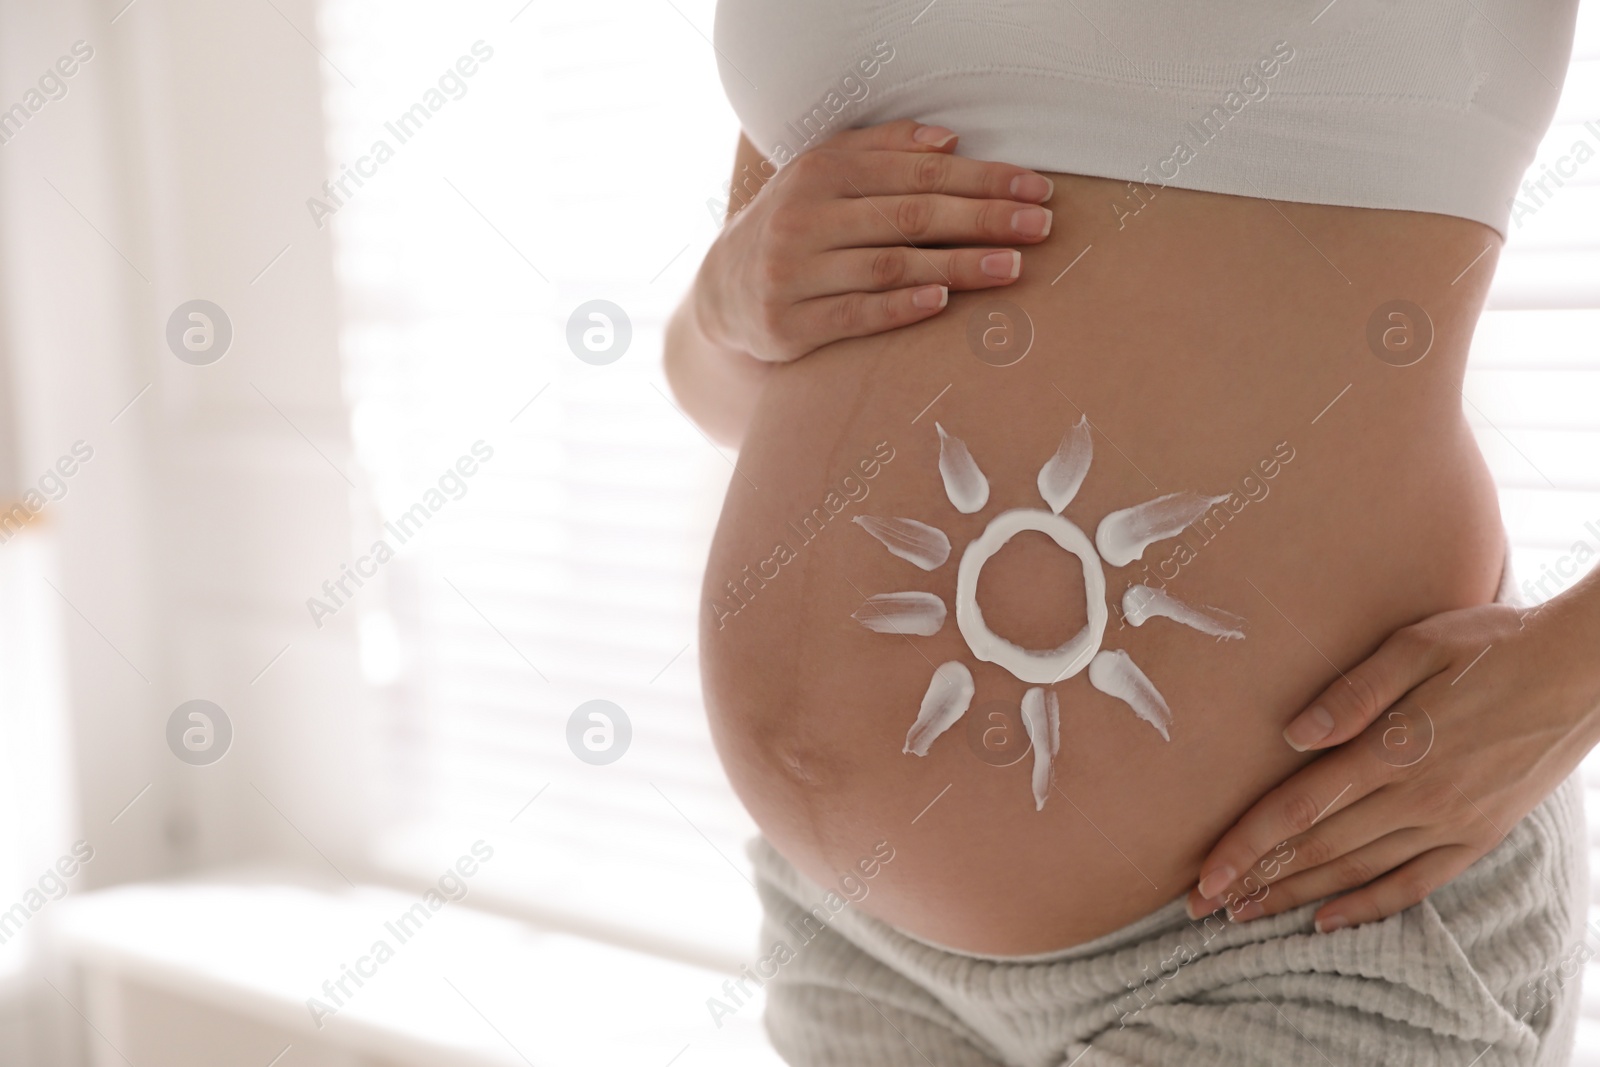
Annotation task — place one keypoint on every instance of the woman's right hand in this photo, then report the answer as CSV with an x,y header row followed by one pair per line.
x,y
848,240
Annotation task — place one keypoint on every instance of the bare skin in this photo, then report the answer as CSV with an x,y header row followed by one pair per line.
x,y
1208,338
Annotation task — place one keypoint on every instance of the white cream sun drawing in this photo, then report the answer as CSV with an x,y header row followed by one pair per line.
x,y
1120,539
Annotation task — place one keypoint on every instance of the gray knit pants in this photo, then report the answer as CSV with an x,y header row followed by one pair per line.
x,y
1483,973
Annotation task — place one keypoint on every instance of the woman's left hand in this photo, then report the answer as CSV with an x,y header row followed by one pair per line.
x,y
1434,747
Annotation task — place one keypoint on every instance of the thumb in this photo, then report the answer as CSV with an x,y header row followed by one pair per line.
x,y
1353,702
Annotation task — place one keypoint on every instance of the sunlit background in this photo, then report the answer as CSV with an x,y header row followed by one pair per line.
x,y
403,340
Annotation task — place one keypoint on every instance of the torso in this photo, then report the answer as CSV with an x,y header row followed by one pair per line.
x,y
1206,339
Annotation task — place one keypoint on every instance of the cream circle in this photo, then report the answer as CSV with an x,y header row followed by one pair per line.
x,y
1030,665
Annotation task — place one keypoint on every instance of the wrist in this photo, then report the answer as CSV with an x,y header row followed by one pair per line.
x,y
1571,620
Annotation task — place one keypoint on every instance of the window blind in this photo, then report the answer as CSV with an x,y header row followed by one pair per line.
x,y
569,570
1533,390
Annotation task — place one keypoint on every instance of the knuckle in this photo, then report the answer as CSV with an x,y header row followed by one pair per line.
x,y
784,222
812,165
894,309
771,276
847,314
1361,693
888,268
913,215
1414,887
994,219
1300,812
929,173
1352,870
1312,851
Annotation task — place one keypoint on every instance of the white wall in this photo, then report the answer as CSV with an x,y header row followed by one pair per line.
x,y
176,167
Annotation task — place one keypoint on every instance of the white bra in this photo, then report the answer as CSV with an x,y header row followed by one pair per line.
x,y
1418,105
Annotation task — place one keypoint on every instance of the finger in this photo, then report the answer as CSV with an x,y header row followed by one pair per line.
x,y
1352,703
878,173
877,270
1347,871
901,135
1324,787
831,318
1394,892
1332,840
927,219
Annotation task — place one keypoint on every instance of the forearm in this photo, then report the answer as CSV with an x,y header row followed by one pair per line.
x,y
715,385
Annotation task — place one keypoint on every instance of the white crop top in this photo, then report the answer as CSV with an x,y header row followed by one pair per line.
x,y
1421,105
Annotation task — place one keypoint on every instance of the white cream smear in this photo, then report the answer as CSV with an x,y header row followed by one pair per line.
x,y
919,614
1041,718
1113,672
1038,667
924,545
947,699
1121,538
1124,535
964,483
1064,472
1140,603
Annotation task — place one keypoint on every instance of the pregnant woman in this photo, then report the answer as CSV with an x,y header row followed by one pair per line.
x,y
1109,624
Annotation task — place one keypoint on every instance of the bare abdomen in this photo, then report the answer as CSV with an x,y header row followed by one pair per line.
x,y
1204,341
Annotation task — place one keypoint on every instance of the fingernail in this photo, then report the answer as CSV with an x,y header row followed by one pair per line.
x,y
1250,911
1212,885
1032,221
1312,726
1034,187
1001,264
1332,923
930,296
937,136
1199,909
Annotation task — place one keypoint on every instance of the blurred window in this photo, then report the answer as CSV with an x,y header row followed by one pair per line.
x,y
535,158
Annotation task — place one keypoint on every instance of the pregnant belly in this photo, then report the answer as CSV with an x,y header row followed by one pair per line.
x,y
1216,345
